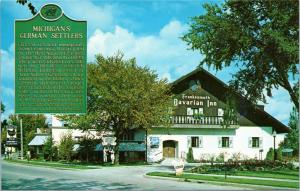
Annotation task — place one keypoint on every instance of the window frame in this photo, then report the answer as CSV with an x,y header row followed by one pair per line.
x,y
224,143
257,140
196,142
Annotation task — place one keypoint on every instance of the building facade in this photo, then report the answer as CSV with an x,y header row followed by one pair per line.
x,y
200,108
200,105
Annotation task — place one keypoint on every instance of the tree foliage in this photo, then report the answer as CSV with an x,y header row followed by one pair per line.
x,y
29,5
260,37
30,123
123,96
292,138
87,146
190,155
65,148
49,149
2,107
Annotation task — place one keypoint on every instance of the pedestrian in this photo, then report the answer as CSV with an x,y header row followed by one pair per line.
x,y
104,155
28,156
112,156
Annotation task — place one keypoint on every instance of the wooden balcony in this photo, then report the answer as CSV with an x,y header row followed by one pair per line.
x,y
203,120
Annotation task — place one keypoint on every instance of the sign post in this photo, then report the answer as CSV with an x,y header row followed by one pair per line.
x,y
21,129
50,63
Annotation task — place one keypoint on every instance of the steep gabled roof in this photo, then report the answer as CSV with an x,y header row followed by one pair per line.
x,y
218,88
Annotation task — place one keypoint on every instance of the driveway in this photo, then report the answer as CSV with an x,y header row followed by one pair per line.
x,y
17,176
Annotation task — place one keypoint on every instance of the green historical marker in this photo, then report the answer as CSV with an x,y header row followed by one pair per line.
x,y
50,63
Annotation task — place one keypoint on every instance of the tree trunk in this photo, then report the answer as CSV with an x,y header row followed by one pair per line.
x,y
292,93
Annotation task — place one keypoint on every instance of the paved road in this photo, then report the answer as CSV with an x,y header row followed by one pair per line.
x,y
17,176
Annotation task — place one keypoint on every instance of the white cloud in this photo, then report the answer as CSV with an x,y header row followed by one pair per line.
x,y
7,63
166,52
100,15
96,15
279,106
173,30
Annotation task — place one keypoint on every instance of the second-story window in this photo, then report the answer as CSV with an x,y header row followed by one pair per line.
x,y
225,142
195,141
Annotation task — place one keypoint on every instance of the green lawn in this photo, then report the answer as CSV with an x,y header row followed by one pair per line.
x,y
72,165
53,164
229,180
280,174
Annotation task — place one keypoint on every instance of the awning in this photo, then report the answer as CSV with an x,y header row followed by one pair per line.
x,y
132,147
126,147
99,147
287,150
38,140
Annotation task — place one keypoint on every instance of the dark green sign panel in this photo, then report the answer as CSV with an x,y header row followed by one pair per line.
x,y
50,63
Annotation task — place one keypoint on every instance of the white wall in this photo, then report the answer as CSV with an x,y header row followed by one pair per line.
x,y
58,132
210,145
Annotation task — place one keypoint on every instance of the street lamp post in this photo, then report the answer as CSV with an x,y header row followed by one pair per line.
x,y
274,136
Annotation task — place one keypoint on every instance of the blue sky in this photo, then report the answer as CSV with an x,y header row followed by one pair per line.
x,y
147,30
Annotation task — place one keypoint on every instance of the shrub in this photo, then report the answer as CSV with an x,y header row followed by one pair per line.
x,y
279,154
236,156
190,156
270,155
220,157
247,165
48,149
65,148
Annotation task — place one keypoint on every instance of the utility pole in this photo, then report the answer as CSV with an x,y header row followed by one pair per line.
x,y
21,128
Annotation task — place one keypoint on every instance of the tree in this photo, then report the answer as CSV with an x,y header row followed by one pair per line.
x,y
123,96
88,145
190,155
2,107
65,148
270,154
30,123
292,138
29,5
260,37
49,149
3,134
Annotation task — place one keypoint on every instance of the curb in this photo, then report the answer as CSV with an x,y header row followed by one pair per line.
x,y
257,187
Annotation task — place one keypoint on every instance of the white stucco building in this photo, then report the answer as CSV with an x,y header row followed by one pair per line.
x,y
199,105
198,110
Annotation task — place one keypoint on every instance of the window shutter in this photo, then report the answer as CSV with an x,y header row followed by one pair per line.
x,y
260,142
219,142
189,141
200,142
189,111
220,112
201,111
230,142
250,142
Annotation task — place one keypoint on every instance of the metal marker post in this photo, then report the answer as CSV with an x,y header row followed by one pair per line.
x,y
21,127
225,168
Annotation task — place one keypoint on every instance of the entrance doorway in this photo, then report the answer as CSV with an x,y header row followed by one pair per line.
x,y
169,149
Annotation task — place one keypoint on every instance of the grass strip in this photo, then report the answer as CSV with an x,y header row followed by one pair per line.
x,y
52,164
261,182
285,174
